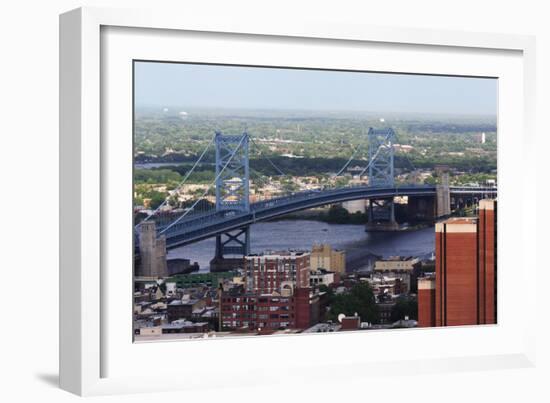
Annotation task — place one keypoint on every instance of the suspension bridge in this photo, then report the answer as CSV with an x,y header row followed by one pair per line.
x,y
230,217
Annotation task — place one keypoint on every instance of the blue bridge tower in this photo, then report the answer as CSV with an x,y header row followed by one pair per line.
x,y
232,190
381,214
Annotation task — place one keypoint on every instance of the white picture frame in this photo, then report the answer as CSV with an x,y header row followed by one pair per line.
x,y
89,352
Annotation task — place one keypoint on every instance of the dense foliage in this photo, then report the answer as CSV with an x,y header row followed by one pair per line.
x,y
405,306
359,300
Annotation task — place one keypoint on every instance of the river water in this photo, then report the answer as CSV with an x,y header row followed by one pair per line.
x,y
361,247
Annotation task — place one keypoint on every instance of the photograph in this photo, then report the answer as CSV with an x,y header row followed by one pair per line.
x,y
273,200
278,201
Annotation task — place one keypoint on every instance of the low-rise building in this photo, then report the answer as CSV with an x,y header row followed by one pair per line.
x,y
321,276
255,311
210,279
350,323
384,311
392,284
183,308
150,331
185,326
407,268
293,308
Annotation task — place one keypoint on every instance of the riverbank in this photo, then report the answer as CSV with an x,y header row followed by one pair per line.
x,y
352,219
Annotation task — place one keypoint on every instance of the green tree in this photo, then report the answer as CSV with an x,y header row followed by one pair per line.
x,y
329,291
337,214
360,299
156,176
405,306
157,198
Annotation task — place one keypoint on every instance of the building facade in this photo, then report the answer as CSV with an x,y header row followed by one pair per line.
x,y
183,309
303,308
426,302
487,250
404,268
267,273
322,277
253,311
355,206
324,257
465,282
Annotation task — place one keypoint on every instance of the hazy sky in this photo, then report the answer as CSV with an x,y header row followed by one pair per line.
x,y
205,86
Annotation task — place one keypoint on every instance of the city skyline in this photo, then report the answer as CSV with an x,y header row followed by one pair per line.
x,y
275,221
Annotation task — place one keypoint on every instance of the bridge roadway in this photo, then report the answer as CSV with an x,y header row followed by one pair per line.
x,y
197,227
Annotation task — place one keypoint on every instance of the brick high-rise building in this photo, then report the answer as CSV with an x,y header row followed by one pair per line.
x,y
456,268
266,273
487,249
465,282
426,302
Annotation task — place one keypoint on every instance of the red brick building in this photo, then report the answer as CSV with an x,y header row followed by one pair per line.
x,y
465,282
426,302
487,256
255,311
302,308
267,272
351,323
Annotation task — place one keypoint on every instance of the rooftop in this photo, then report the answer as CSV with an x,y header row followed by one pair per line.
x,y
277,254
180,324
398,258
460,220
457,224
186,302
323,328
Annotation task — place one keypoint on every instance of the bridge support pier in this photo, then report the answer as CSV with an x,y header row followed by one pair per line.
x,y
381,215
421,208
443,200
152,252
231,243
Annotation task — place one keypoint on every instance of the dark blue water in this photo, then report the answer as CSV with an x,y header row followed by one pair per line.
x,y
359,245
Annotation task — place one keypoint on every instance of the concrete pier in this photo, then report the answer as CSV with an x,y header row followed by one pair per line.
x,y
226,264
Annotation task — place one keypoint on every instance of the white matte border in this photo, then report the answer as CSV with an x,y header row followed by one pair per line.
x,y
356,357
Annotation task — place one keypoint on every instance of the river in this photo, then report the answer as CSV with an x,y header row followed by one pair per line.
x,y
361,247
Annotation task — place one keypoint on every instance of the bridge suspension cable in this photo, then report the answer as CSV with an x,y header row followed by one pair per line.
x,y
206,191
179,184
356,151
350,159
267,158
410,163
406,157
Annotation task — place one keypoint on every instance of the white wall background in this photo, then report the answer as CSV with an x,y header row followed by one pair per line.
x,y
29,194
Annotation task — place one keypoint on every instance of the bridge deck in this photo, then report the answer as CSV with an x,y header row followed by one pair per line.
x,y
197,227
